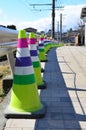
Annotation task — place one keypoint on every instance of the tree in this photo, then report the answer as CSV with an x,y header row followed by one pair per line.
x,y
11,27
80,29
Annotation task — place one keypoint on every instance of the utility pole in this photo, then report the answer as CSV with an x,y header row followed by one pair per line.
x,y
58,31
53,14
53,19
61,27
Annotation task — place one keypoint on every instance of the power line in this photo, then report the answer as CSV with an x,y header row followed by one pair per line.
x,y
27,4
53,13
40,4
56,8
39,10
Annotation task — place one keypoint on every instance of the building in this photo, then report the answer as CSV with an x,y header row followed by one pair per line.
x,y
31,30
83,17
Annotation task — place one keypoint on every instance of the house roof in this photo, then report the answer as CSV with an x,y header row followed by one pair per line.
x,y
31,29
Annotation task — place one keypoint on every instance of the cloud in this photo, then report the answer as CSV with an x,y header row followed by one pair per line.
x,y
0,12
2,15
71,16
41,24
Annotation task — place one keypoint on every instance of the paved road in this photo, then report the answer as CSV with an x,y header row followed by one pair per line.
x,y
65,96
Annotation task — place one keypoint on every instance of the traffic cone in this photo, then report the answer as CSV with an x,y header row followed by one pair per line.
x,y
25,102
42,55
46,44
42,70
35,61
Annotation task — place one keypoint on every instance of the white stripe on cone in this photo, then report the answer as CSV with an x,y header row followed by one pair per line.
x,y
41,42
22,52
24,70
34,58
32,47
41,47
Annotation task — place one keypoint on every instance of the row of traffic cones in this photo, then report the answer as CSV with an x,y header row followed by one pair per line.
x,y
27,79
35,61
49,43
25,101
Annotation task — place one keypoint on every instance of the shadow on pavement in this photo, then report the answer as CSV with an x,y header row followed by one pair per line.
x,y
60,113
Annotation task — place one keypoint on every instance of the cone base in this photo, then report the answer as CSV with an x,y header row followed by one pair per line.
x,y
42,70
43,60
43,86
26,115
48,51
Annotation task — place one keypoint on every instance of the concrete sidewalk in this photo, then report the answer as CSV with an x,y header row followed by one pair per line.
x,y
65,95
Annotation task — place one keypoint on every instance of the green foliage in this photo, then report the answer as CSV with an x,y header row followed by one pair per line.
x,y
11,27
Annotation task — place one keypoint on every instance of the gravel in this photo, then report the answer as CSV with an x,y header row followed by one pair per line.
x,y
3,106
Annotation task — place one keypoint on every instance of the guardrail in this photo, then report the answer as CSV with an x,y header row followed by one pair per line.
x,y
7,49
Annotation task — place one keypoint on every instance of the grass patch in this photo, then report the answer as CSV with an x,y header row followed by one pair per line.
x,y
4,71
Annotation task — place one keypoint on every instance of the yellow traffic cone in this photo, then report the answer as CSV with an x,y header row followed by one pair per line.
x,y
42,69
42,55
35,61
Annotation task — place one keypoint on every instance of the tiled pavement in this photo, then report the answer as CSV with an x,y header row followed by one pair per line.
x,y
65,95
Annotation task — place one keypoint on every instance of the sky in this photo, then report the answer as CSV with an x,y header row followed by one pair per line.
x,y
23,15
